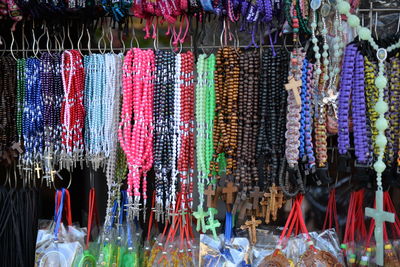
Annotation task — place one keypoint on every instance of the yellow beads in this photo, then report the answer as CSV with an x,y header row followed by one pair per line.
x,y
372,98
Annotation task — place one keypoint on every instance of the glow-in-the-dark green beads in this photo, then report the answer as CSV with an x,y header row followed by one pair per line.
x,y
379,166
364,33
381,124
381,107
381,140
353,21
343,7
380,82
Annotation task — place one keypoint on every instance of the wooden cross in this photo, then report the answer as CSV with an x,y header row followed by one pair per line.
x,y
244,208
251,227
273,202
218,192
209,192
241,196
38,169
229,190
294,85
256,195
380,216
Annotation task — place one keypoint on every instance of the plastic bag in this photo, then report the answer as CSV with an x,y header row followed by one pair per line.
x,y
214,252
57,245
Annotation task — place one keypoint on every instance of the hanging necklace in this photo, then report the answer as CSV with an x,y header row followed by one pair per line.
x,y
20,95
205,105
381,107
352,91
72,111
271,134
52,93
137,138
293,117
8,112
163,132
186,150
246,175
116,162
32,119
95,96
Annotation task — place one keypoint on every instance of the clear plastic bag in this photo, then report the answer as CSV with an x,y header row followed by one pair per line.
x,y
60,252
294,247
214,252
56,244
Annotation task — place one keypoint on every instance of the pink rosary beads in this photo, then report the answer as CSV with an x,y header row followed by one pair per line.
x,y
136,126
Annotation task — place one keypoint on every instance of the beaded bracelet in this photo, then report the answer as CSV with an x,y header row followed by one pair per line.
x,y
344,99
372,98
303,92
361,140
394,84
308,118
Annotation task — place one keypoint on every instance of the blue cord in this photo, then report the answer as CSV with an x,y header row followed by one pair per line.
x,y
58,213
303,109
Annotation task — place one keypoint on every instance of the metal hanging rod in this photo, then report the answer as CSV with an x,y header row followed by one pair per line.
x,y
121,48
379,10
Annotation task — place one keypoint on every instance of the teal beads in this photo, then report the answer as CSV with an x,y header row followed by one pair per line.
x,y
381,124
379,166
380,82
353,21
381,140
364,33
381,107
343,7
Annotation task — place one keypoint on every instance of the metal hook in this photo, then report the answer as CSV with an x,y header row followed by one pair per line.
x,y
173,50
69,183
120,33
23,39
48,41
102,39
398,25
222,33
284,43
79,40
376,25
135,38
88,43
63,38
69,38
34,39
155,42
38,41
111,40
12,44
57,43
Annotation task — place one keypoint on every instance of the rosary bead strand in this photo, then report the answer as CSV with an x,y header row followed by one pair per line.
x,y
137,138
72,110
